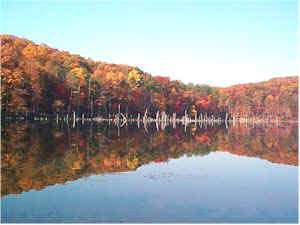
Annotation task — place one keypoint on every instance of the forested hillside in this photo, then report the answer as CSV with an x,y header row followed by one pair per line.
x,y
276,97
38,79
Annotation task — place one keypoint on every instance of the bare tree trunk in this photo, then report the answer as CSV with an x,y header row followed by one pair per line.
x,y
70,101
89,96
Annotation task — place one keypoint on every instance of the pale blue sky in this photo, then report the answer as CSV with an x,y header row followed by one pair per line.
x,y
217,42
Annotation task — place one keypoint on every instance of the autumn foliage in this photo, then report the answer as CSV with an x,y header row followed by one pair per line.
x,y
37,79
276,97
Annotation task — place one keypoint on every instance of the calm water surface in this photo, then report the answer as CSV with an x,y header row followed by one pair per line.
x,y
94,173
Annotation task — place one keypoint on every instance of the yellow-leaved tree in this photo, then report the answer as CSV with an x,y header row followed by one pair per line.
x,y
135,78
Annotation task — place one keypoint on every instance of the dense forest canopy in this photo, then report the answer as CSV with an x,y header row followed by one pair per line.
x,y
39,79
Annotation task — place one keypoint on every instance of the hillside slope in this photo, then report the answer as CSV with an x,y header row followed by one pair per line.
x,y
275,97
39,79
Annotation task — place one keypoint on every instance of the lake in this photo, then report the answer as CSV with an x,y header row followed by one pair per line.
x,y
99,173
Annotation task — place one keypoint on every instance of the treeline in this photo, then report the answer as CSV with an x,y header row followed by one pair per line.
x,y
277,97
37,79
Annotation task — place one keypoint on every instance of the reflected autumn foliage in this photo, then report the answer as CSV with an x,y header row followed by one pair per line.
x,y
277,145
35,156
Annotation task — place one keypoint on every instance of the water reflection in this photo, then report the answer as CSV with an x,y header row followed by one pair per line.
x,y
35,156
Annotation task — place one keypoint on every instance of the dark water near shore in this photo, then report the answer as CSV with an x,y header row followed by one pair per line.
x,y
97,173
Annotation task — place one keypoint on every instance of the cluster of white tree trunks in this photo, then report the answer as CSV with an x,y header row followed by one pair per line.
x,y
161,119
